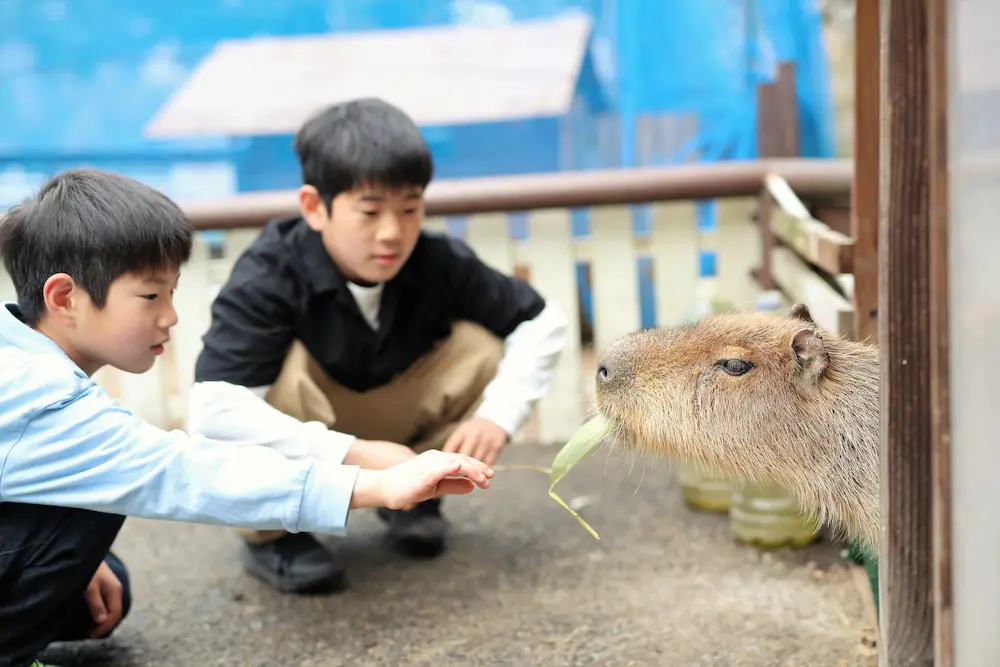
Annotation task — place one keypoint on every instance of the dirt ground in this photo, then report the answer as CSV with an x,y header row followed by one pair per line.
x,y
523,584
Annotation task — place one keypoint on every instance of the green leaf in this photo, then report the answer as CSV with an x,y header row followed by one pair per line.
x,y
580,444
569,509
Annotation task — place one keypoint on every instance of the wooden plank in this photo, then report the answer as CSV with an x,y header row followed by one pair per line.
x,y
794,225
553,271
7,292
801,284
674,249
435,223
193,301
837,218
906,582
235,243
143,394
238,240
488,235
865,185
738,242
940,367
764,214
614,274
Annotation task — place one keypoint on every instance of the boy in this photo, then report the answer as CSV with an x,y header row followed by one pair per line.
x,y
94,259
349,316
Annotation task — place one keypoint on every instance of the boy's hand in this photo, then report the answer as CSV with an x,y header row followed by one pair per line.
x,y
104,598
377,454
425,476
479,438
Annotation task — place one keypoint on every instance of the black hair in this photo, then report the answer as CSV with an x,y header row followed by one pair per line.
x,y
95,226
363,141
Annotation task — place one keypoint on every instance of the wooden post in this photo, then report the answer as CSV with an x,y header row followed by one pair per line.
x,y
938,102
905,337
777,136
865,185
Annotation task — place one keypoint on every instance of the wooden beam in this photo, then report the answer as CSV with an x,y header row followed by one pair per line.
x,y
763,217
802,284
794,225
905,568
777,136
865,184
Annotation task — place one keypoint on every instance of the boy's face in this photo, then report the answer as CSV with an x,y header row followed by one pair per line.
x,y
129,332
370,231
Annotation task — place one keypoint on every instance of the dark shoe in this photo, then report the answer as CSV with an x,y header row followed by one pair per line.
x,y
419,532
294,563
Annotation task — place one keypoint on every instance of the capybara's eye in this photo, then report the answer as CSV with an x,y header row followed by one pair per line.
x,y
735,366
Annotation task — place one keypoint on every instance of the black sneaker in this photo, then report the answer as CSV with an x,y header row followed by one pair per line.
x,y
419,532
294,563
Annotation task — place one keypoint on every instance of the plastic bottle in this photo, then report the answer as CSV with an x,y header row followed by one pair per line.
x,y
702,487
765,514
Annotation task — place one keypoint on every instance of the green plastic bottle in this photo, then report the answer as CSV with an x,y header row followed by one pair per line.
x,y
765,514
768,516
702,487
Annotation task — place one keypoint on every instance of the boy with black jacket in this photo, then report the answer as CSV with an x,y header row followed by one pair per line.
x,y
350,326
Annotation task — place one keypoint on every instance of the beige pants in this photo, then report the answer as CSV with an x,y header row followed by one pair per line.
x,y
420,407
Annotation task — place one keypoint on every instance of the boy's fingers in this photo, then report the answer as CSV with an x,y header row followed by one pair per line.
x,y
454,486
475,470
453,442
95,603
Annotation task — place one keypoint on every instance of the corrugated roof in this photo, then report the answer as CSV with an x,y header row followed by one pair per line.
x,y
440,76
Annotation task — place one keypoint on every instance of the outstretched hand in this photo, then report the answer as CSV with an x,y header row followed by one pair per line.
x,y
421,478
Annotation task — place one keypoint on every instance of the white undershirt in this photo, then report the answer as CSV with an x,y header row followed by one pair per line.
x,y
369,300
238,414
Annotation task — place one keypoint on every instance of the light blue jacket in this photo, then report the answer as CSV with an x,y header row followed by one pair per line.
x,y
65,442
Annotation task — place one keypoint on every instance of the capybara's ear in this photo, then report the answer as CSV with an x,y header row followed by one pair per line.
x,y
800,311
810,353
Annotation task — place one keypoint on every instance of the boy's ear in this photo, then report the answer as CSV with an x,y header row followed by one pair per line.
x,y
312,208
60,295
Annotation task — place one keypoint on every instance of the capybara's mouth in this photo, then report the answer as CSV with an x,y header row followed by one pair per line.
x,y
622,432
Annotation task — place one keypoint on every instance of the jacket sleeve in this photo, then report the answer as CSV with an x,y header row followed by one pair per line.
x,y
86,451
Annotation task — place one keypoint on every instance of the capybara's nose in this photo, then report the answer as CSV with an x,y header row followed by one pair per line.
x,y
603,373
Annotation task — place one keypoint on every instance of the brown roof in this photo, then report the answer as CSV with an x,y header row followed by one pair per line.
x,y
440,76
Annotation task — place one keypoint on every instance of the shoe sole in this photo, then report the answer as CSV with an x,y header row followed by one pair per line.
x,y
332,583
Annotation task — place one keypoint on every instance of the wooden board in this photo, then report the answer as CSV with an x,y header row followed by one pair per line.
x,y
792,223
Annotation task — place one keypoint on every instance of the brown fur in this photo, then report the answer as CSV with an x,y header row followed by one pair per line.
x,y
805,415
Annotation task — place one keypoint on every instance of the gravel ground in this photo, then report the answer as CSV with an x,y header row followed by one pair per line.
x,y
522,584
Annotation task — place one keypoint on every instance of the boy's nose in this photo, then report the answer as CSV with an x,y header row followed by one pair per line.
x,y
389,229
169,318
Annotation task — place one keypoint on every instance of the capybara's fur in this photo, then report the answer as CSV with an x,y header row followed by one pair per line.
x,y
759,396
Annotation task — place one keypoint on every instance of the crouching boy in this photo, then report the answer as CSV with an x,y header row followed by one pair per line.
x,y
348,333
94,259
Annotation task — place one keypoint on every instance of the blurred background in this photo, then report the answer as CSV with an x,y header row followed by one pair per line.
x,y
115,84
